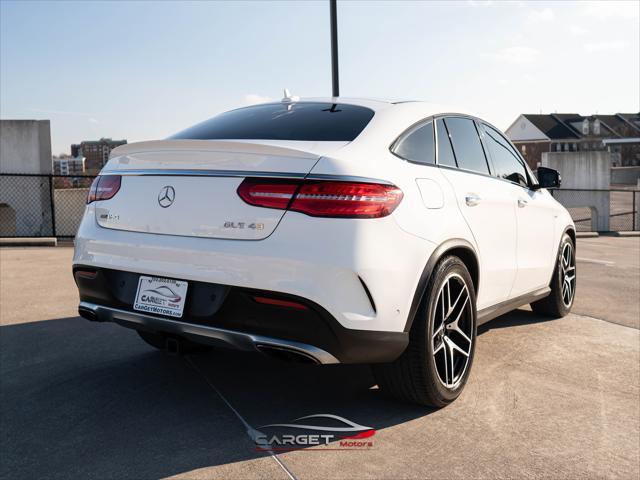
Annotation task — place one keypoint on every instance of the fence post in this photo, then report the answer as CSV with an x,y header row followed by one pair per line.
x,y
633,216
53,209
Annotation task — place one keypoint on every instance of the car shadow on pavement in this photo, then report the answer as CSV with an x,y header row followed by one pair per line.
x,y
83,399
92,400
516,318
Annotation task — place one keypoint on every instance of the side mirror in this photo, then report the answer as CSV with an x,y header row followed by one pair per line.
x,y
548,178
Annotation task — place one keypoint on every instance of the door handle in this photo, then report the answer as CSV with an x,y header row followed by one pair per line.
x,y
522,203
472,199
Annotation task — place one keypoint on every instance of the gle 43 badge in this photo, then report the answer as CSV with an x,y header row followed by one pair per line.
x,y
243,225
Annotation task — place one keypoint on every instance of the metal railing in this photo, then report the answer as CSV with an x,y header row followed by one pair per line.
x,y
33,205
42,205
610,210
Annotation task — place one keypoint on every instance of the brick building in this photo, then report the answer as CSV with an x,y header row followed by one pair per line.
x,y
571,132
95,152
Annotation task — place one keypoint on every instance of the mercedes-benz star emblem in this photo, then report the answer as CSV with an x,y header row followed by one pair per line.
x,y
166,196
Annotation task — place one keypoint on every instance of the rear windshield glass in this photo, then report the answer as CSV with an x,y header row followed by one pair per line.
x,y
277,121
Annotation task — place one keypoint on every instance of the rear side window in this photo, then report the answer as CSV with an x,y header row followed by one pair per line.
x,y
445,153
507,163
466,144
417,146
313,121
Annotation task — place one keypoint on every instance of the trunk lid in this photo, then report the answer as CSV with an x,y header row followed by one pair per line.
x,y
188,187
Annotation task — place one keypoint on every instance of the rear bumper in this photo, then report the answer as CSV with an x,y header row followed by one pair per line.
x,y
223,315
364,273
202,333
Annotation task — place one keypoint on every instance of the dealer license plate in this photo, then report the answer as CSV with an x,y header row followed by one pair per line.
x,y
161,295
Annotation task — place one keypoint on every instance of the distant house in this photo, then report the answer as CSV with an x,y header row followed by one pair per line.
x,y
571,132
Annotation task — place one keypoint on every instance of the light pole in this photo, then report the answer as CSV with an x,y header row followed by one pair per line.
x,y
335,83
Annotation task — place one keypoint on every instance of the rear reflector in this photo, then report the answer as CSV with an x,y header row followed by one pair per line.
x,y
322,198
90,274
280,303
104,187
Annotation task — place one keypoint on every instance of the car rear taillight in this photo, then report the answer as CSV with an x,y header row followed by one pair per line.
x,y
269,193
346,199
104,187
322,198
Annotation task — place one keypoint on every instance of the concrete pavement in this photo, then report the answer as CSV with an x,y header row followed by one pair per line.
x,y
554,398
609,279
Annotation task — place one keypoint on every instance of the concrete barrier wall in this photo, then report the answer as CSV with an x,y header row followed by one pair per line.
x,y
25,206
25,146
584,170
625,175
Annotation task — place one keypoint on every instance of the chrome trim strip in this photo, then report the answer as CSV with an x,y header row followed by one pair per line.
x,y
238,340
346,178
242,174
202,173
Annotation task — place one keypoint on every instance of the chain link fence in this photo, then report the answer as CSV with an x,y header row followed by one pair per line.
x,y
52,206
42,205
612,210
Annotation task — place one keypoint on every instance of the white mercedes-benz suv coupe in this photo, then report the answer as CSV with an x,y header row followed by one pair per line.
x,y
328,231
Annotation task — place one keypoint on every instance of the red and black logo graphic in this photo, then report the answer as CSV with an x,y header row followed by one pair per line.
x,y
347,436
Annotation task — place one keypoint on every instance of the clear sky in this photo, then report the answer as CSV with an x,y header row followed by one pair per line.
x,y
143,70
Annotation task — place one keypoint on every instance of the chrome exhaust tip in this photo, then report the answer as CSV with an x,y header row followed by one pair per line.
x,y
88,314
287,354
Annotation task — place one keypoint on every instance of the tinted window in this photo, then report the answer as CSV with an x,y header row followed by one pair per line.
x,y
445,153
466,144
278,121
506,162
417,146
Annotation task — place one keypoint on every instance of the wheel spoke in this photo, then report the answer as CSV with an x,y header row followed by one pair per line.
x,y
455,303
454,346
464,304
446,367
438,330
455,325
567,290
457,329
453,372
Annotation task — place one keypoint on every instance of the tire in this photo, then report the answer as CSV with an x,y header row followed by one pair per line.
x,y
563,283
159,341
417,375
